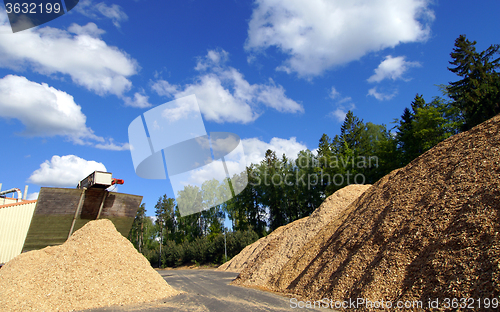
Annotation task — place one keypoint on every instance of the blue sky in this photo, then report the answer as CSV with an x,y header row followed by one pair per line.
x,y
278,73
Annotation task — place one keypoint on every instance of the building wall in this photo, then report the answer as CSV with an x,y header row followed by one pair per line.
x,y
8,200
15,221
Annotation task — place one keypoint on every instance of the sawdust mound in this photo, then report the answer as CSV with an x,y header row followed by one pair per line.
x,y
95,267
429,230
270,255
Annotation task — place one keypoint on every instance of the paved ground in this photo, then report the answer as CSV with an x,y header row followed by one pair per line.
x,y
208,290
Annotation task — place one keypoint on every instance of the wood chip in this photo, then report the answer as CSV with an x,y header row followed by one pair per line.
x,y
95,267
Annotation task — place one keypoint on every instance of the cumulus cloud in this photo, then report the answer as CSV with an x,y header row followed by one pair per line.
x,y
64,171
214,170
217,103
381,96
90,29
44,111
164,88
214,58
320,34
339,114
254,152
139,100
33,196
95,10
274,96
392,68
224,95
78,53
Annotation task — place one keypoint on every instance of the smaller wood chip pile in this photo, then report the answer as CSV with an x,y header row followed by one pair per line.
x,y
260,261
240,261
95,267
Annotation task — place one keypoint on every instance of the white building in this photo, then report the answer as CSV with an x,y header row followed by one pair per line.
x,y
15,220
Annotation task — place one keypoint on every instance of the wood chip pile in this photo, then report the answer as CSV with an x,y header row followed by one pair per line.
x,y
95,267
258,262
240,261
429,230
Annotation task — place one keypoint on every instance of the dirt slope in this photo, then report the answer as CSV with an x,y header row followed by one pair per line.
x,y
428,230
95,267
271,253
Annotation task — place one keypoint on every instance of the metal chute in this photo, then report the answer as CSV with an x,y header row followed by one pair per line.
x,y
59,212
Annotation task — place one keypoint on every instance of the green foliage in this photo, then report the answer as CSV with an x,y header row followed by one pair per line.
x,y
204,250
362,153
143,231
136,234
424,126
246,210
477,94
165,217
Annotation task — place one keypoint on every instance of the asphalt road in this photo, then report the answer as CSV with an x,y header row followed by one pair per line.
x,y
208,290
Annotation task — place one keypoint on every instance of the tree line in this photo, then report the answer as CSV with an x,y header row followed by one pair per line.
x,y
282,189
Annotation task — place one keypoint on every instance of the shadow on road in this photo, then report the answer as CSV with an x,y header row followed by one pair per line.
x,y
208,290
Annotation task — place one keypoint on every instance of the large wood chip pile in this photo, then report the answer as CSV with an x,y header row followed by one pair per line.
x,y
427,231
95,267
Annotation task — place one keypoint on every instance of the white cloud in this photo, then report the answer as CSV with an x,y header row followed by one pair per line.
x,y
254,152
274,96
255,149
211,171
224,95
339,114
90,29
381,96
78,52
334,93
182,110
114,12
64,171
93,10
320,34
218,103
33,196
343,104
392,68
164,88
111,146
139,100
214,58
45,111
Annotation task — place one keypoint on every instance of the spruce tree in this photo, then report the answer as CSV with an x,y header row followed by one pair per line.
x,y
477,94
